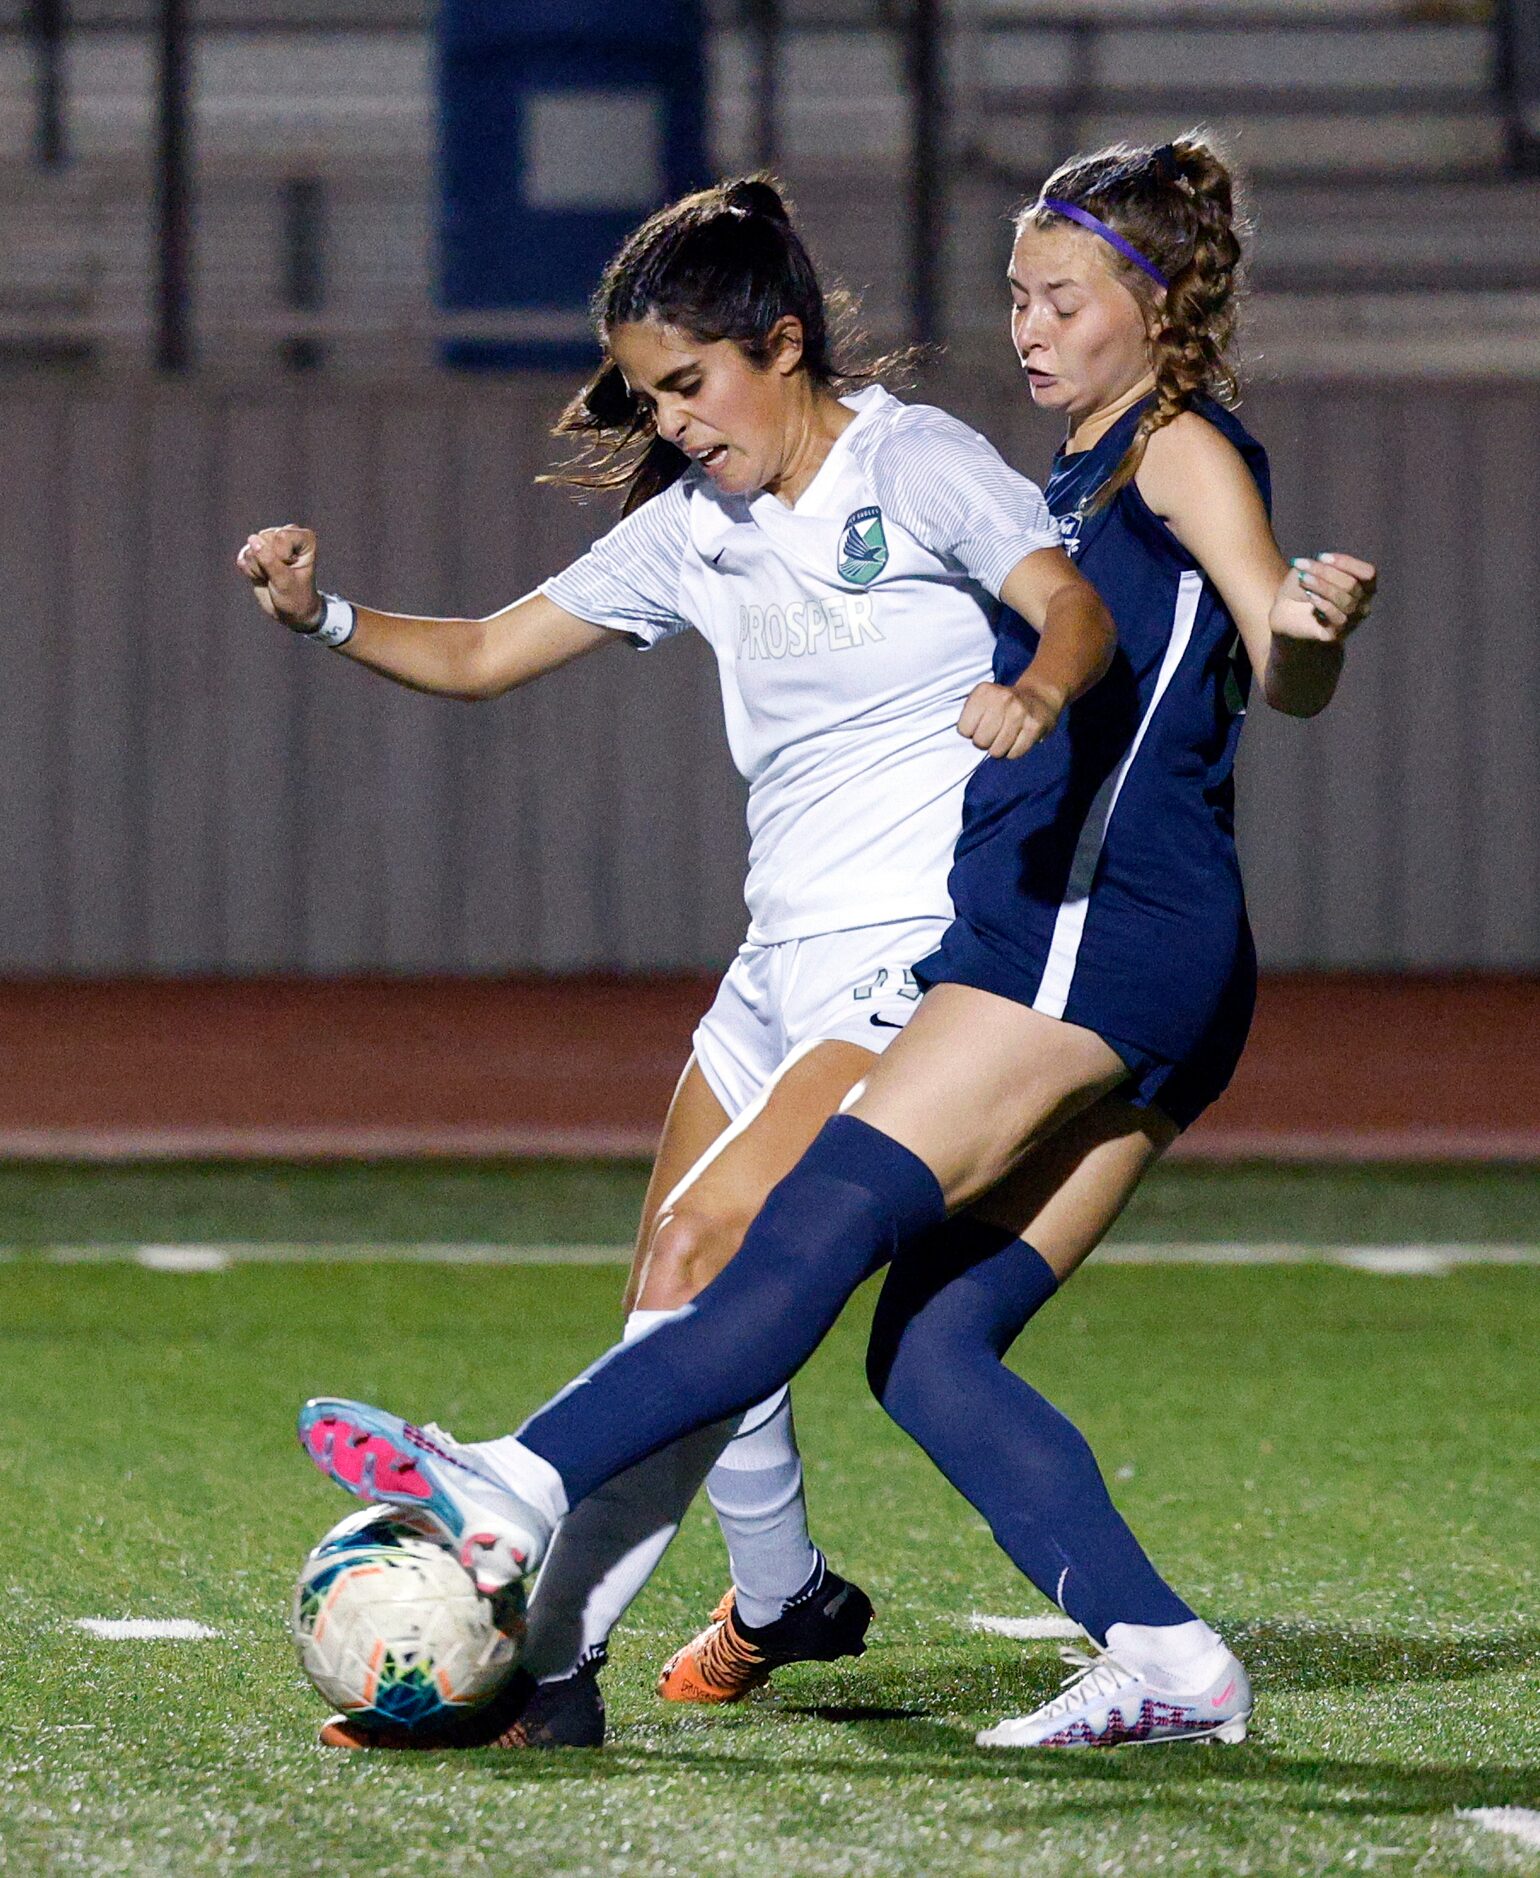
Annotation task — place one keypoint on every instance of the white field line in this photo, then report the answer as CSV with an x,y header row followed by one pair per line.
x,y
1386,1260
183,1258
213,1258
1411,1259
1029,1629
145,1629
1514,1822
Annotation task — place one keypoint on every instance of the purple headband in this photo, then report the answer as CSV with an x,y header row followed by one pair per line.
x,y
1087,220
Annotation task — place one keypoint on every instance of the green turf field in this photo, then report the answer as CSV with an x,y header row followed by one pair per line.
x,y
1339,1468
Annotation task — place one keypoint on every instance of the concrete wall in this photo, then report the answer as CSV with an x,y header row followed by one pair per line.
x,y
188,790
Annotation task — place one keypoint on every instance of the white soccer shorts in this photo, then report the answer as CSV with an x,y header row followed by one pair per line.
x,y
778,1001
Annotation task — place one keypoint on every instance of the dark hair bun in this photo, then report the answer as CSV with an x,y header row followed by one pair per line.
x,y
723,263
752,195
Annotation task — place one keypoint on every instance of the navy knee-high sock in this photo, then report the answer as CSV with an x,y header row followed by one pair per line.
x,y
842,1212
950,1309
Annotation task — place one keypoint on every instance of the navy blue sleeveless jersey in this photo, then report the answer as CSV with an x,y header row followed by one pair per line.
x,y
1096,878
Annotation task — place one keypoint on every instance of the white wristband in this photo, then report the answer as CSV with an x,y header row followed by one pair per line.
x,y
335,628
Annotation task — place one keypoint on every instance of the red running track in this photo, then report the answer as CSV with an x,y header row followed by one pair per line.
x,y
1339,1068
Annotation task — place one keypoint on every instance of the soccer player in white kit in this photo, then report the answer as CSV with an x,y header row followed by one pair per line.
x,y
845,557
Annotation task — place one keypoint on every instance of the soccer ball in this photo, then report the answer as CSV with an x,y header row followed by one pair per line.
x,y
390,1628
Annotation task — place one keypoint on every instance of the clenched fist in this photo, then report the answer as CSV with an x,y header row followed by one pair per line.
x,y
280,564
1007,720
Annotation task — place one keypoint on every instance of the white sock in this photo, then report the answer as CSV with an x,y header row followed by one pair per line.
x,y
756,1491
1184,1658
610,1546
525,1473
607,1549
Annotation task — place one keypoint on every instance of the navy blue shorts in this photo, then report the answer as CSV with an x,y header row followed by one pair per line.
x,y
1181,1088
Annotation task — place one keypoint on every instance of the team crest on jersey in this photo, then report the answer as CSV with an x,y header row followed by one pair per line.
x,y
1069,532
864,548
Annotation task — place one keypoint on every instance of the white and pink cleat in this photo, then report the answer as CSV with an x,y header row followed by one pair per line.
x,y
1107,1703
496,1534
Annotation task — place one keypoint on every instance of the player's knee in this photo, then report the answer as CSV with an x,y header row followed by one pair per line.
x,y
689,1247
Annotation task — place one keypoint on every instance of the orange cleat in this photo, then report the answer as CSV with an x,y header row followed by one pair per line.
x,y
718,1665
342,1731
728,1660
564,1714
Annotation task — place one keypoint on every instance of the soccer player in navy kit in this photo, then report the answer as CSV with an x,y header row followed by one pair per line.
x,y
1091,998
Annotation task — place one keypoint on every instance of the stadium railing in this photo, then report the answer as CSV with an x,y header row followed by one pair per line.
x,y
1378,139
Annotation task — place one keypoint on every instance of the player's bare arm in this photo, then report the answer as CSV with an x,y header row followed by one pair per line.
x,y
454,658
1295,618
1077,639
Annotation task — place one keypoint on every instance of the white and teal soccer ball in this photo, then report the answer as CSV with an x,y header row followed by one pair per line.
x,y
391,1628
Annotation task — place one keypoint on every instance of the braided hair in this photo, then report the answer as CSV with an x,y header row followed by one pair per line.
x,y
1175,203
723,263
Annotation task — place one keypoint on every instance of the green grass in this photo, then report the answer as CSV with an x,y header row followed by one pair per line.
x,y
1338,1468
557,1202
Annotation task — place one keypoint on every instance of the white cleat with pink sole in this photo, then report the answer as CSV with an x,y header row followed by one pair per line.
x,y
1107,1703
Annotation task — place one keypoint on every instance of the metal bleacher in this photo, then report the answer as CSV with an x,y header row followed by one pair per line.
x,y
1372,133
1373,137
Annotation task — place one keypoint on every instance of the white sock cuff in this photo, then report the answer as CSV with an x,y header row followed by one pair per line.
x,y
640,1322
1179,1654
527,1474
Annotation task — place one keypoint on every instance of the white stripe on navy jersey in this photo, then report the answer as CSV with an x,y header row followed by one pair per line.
x,y
1069,924
848,631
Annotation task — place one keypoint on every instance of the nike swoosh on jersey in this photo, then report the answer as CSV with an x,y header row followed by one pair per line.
x,y
883,1023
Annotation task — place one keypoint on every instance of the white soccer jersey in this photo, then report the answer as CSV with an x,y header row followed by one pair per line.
x,y
848,630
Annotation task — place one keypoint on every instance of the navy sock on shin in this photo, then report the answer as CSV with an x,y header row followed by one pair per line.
x,y
842,1212
951,1308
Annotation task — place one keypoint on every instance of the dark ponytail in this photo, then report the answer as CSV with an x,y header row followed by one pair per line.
x,y
724,263
1175,203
